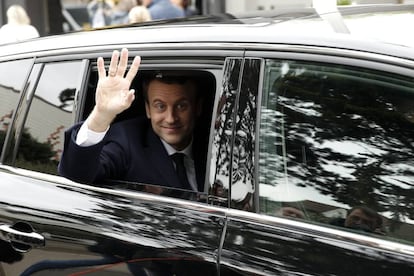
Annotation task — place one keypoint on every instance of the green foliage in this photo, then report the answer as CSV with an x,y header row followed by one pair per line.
x,y
343,2
36,156
31,149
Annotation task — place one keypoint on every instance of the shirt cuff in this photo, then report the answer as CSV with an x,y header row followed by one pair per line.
x,y
87,137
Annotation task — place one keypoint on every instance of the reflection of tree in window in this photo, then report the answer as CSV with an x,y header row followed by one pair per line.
x,y
223,126
243,185
67,97
49,115
346,133
34,155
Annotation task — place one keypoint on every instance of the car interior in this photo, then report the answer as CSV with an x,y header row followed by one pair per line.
x,y
207,88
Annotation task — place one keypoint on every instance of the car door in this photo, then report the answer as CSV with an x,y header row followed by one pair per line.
x,y
315,138
50,225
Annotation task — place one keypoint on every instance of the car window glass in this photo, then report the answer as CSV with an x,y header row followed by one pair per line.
x,y
336,146
12,77
50,113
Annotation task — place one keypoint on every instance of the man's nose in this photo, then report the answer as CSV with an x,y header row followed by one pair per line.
x,y
171,115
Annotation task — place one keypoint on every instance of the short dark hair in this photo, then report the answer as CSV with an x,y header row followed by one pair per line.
x,y
169,77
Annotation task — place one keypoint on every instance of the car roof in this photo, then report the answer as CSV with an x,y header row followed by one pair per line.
x,y
305,27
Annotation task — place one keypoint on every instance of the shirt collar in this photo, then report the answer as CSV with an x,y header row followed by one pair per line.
x,y
187,151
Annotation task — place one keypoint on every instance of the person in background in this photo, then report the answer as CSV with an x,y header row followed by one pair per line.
x,y
120,11
109,12
99,13
186,6
139,14
164,9
18,26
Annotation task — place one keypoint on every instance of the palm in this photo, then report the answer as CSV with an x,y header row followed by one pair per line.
x,y
113,94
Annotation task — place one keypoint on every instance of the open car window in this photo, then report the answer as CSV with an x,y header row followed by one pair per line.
x,y
207,86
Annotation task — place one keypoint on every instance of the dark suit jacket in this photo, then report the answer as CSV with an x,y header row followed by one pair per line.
x,y
130,151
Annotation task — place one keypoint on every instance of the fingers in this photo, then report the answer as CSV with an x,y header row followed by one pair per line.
x,y
133,70
101,68
118,65
113,66
123,62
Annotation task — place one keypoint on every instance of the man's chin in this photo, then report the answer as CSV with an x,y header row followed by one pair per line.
x,y
172,140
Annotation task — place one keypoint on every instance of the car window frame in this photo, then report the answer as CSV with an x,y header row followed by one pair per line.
x,y
210,60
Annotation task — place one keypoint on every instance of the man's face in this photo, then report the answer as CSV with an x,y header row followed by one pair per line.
x,y
359,220
172,109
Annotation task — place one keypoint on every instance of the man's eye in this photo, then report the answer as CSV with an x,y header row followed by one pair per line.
x,y
182,106
159,106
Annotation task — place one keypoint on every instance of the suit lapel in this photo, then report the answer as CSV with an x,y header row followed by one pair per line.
x,y
161,162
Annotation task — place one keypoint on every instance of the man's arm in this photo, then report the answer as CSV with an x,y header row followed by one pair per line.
x,y
81,161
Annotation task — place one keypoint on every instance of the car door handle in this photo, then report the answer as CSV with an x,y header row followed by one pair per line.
x,y
21,236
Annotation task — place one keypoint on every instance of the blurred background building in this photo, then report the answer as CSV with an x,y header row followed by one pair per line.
x,y
58,16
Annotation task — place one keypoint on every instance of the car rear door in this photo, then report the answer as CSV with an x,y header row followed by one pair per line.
x,y
315,136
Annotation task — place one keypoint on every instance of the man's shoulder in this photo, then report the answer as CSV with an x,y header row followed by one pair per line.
x,y
137,129
140,123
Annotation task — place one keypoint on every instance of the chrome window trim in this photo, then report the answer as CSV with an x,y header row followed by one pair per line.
x,y
321,232
340,56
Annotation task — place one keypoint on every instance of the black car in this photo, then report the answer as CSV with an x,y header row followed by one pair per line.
x,y
309,144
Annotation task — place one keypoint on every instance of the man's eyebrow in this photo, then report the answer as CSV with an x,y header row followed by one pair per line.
x,y
157,100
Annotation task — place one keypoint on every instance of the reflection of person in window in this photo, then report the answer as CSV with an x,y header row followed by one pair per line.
x,y
291,212
361,218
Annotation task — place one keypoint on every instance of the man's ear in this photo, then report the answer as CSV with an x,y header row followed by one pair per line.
x,y
147,110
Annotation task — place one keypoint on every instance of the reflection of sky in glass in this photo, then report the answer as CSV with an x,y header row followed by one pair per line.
x,y
12,74
343,169
288,191
307,108
357,149
63,76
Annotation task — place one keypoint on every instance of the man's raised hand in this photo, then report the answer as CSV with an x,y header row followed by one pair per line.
x,y
113,93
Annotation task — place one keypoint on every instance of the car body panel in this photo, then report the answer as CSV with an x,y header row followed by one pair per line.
x,y
289,248
92,227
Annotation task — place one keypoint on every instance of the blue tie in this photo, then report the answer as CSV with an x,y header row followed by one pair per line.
x,y
178,158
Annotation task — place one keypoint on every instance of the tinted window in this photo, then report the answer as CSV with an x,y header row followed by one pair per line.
x,y
50,113
12,77
333,138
